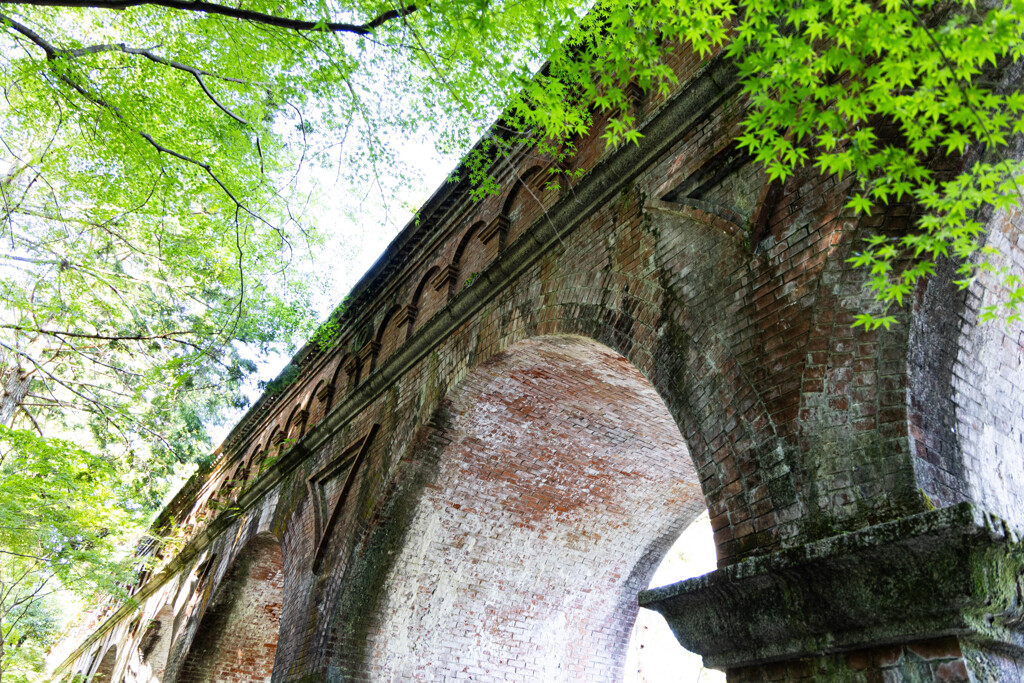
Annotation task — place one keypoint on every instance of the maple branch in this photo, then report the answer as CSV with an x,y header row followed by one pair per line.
x,y
52,53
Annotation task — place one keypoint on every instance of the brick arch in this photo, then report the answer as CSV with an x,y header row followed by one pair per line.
x,y
428,299
340,382
475,250
275,442
391,333
105,671
319,401
704,386
236,639
561,481
228,489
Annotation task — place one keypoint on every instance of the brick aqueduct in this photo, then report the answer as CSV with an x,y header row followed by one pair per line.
x,y
532,395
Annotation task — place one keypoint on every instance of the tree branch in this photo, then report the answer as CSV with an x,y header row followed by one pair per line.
x,y
230,12
196,73
173,336
53,53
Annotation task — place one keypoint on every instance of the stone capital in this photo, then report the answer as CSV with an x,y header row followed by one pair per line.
x,y
954,571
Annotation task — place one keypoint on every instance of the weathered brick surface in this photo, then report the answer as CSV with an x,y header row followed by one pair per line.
x,y
236,639
543,540
668,301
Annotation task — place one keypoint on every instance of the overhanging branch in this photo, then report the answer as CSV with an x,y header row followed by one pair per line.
x,y
231,12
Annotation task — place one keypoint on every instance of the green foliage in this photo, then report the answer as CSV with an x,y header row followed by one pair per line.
x,y
284,379
65,518
892,94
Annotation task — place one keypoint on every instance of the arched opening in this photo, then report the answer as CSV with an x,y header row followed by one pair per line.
x,y
105,671
236,641
655,656
562,484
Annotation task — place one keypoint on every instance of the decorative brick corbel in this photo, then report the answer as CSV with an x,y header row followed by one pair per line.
x,y
447,278
324,393
299,420
498,227
368,355
407,318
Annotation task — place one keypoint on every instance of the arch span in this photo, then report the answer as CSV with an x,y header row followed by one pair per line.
x,y
236,640
563,483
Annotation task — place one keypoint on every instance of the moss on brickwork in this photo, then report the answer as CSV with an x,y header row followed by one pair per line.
x,y
876,482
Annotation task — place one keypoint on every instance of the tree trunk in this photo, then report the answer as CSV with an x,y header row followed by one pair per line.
x,y
14,384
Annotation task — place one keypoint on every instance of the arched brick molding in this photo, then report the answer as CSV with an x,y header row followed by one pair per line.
x,y
105,670
340,382
275,444
473,254
295,427
236,640
527,200
563,482
319,401
251,466
428,299
391,334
